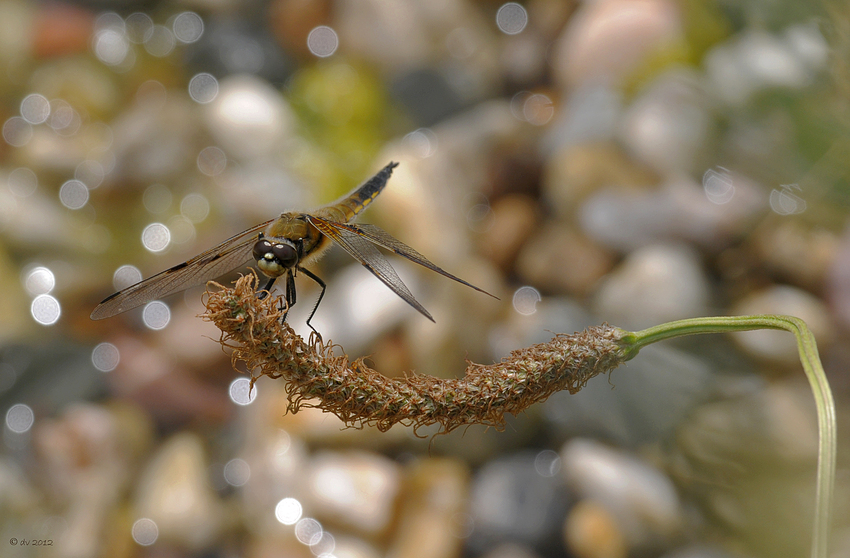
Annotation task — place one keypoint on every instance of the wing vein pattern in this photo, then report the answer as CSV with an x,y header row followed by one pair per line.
x,y
204,267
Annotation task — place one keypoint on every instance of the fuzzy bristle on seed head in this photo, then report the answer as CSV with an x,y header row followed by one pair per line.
x,y
253,330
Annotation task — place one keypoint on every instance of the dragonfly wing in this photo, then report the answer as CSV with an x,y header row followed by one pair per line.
x,y
204,267
361,249
382,238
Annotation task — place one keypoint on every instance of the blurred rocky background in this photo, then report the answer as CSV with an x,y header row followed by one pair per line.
x,y
620,161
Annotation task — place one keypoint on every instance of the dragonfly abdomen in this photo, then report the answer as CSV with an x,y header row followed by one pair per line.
x,y
347,208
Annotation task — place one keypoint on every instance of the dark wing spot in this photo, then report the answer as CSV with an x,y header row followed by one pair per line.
x,y
179,266
110,297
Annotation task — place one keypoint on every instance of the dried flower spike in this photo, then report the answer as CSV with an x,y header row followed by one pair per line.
x,y
358,395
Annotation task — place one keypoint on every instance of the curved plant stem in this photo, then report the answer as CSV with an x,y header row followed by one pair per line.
x,y
634,341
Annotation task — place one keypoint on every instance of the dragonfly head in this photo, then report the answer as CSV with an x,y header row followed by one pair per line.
x,y
275,256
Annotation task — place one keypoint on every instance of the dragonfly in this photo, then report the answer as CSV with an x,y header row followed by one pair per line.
x,y
281,247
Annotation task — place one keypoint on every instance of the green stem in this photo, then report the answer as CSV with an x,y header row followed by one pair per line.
x,y
634,341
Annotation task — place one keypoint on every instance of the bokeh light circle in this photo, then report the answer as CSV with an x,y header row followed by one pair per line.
x,y
212,161
156,315
19,418
105,357
288,511
322,41
45,309
525,300
145,531
23,182
241,392
188,27
35,108
17,132
125,276
39,280
203,88
511,18
74,194
156,237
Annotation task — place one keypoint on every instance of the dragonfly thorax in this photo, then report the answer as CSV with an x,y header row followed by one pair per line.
x,y
275,256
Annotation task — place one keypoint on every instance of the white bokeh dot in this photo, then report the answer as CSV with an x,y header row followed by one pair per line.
x,y
547,463
511,18
156,315
195,207
74,194
161,41
139,27
322,41
35,108
19,418
105,357
125,276
237,472
156,237
203,88
23,182
422,142
212,161
288,511
45,309
145,531
525,300
39,280
308,531
188,27
17,132
111,46
157,198
241,392
90,173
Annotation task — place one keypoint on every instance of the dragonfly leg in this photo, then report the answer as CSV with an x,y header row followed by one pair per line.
x,y
321,283
290,294
267,288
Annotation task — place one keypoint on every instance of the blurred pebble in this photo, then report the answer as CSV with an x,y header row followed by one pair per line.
x,y
152,139
88,454
576,171
605,42
61,30
590,531
755,59
559,260
432,519
625,219
779,347
512,501
351,547
20,498
514,220
802,254
699,551
169,390
174,492
838,280
668,125
357,490
589,116
750,462
642,501
640,403
292,20
510,550
248,118
655,284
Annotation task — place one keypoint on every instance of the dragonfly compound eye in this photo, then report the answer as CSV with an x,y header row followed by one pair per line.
x,y
285,254
261,248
